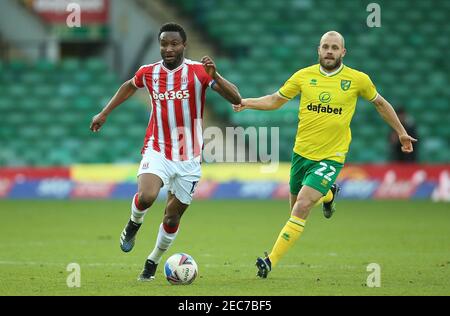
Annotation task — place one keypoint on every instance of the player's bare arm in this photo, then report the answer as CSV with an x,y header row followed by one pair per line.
x,y
266,103
387,112
222,86
124,92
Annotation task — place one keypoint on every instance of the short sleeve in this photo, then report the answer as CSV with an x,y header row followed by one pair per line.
x,y
138,79
203,76
292,87
367,89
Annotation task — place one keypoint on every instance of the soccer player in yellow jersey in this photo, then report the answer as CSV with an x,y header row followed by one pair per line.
x,y
329,91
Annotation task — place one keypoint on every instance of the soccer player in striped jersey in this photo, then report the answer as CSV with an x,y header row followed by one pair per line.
x,y
173,142
329,91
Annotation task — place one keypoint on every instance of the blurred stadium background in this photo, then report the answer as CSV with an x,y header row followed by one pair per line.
x,y
53,79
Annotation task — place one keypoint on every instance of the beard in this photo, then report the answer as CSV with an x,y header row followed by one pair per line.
x,y
175,62
337,63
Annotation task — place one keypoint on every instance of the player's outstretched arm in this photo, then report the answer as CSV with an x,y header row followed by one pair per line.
x,y
222,86
124,92
266,103
387,112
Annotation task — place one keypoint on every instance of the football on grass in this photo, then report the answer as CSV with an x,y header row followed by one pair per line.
x,y
180,269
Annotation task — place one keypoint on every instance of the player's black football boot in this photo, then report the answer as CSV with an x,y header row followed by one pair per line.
x,y
148,274
330,207
264,266
128,236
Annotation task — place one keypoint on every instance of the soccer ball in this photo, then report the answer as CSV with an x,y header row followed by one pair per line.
x,y
180,269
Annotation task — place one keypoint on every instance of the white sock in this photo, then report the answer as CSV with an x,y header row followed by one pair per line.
x,y
163,243
137,215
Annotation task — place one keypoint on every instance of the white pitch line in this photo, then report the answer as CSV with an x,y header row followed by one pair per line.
x,y
95,264
206,265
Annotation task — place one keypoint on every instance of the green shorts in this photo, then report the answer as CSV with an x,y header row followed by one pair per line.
x,y
319,175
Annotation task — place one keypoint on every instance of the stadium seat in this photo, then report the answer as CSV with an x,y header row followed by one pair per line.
x,y
44,66
53,105
259,51
290,43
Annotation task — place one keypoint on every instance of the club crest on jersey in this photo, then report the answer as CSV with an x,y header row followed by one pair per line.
x,y
184,80
325,97
345,84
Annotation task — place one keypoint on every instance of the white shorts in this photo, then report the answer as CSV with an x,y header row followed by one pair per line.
x,y
181,177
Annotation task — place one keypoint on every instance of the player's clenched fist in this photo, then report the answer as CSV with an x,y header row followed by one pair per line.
x,y
209,65
407,143
97,122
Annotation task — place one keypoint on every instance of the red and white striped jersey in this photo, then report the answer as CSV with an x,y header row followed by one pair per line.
x,y
177,98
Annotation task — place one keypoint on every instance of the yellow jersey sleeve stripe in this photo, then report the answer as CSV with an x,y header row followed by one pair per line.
x,y
373,99
282,95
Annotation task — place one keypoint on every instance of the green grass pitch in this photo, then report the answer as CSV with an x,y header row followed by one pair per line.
x,y
410,240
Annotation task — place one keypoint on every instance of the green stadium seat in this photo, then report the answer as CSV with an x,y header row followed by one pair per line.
x,y
108,79
31,78
17,65
96,65
189,5
45,66
70,65
424,131
83,78
266,43
56,104
30,132
6,104
6,132
17,119
68,90
83,102
93,91
42,91
17,90
56,131
60,157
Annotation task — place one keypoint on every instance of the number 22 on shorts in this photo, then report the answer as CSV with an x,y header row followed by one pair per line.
x,y
325,166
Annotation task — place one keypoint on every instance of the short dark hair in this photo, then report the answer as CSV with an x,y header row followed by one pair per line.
x,y
173,27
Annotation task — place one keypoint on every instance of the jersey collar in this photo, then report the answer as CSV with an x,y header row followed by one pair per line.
x,y
330,74
174,70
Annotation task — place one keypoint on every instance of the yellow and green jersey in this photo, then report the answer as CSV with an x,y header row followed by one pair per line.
x,y
327,105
